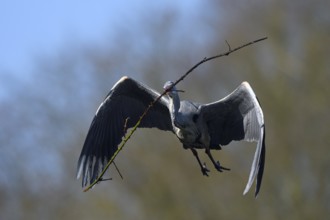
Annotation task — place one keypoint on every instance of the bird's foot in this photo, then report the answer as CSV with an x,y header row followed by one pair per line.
x,y
219,167
205,170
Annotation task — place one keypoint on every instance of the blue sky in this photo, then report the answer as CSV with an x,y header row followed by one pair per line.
x,y
36,27
33,29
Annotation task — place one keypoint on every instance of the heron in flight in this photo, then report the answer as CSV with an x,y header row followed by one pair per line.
x,y
238,116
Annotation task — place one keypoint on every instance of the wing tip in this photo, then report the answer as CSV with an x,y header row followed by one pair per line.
x,y
248,187
257,169
246,190
80,166
261,164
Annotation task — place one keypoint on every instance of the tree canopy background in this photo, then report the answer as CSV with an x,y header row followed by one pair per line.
x,y
44,120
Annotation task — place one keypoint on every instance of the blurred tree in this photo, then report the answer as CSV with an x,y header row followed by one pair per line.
x,y
44,123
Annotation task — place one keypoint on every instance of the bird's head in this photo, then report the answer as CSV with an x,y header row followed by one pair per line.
x,y
171,89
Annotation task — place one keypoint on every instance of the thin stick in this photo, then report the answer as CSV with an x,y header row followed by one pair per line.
x,y
120,147
217,56
118,170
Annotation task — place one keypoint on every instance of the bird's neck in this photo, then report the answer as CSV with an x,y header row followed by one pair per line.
x,y
174,105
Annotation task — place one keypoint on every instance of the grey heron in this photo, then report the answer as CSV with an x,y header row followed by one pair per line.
x,y
237,116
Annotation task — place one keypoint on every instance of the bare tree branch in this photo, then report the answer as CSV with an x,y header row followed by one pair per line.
x,y
158,98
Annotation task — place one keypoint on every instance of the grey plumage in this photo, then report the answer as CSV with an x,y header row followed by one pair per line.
x,y
238,116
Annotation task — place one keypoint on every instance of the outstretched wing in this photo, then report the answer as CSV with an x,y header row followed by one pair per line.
x,y
120,110
238,116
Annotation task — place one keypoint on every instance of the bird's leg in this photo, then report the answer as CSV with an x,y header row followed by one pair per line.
x,y
216,164
204,169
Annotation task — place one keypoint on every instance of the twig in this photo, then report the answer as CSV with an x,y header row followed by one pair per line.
x,y
214,57
229,48
102,180
121,176
120,147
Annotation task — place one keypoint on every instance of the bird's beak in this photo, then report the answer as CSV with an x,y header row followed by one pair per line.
x,y
173,90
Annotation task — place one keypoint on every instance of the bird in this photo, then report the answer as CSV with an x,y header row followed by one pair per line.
x,y
237,116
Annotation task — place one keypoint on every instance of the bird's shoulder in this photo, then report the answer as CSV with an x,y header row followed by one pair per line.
x,y
189,107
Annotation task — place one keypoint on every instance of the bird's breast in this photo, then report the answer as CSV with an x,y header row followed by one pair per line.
x,y
191,137
186,135
189,129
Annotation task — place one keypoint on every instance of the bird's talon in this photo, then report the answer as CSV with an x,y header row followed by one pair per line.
x,y
205,167
205,170
219,167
